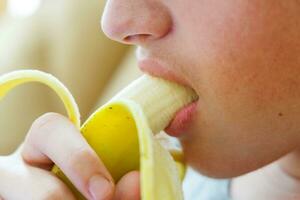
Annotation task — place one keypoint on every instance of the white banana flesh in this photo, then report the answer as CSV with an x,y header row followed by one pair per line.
x,y
160,99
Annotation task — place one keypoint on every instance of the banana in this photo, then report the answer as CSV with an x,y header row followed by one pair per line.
x,y
159,99
122,131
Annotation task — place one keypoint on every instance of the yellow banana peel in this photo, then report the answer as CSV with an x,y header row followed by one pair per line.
x,y
121,133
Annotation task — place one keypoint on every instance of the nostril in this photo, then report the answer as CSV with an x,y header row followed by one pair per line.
x,y
136,38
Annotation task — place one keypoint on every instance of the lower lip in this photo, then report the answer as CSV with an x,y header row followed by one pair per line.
x,y
181,120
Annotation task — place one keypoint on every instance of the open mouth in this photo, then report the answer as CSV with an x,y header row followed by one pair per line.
x,y
184,116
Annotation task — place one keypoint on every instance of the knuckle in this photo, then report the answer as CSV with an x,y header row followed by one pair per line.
x,y
43,124
83,163
47,119
82,155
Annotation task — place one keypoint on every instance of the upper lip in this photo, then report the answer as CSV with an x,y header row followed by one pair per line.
x,y
154,67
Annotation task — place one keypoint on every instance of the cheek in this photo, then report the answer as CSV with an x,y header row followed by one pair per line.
x,y
246,112
250,89
235,33
242,51
243,124
247,75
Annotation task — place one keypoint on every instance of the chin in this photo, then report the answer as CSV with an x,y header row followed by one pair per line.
x,y
218,172
219,167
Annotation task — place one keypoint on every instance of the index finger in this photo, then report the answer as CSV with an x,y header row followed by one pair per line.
x,y
53,137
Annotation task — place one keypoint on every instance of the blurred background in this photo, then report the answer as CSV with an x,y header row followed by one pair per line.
x,y
62,37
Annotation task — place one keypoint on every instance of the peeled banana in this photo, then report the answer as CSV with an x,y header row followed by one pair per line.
x,y
122,131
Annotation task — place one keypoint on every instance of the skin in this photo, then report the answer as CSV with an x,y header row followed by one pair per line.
x,y
28,169
243,60
241,57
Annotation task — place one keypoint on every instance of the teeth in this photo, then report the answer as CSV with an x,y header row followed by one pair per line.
x,y
160,99
121,131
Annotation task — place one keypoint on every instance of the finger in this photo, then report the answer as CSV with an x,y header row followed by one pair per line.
x,y
53,137
19,181
128,188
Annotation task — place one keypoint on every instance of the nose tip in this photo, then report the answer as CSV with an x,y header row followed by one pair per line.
x,y
136,23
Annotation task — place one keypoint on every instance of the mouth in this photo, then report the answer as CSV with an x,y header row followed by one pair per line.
x,y
184,116
154,68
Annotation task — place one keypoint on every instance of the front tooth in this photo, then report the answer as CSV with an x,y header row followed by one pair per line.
x,y
160,99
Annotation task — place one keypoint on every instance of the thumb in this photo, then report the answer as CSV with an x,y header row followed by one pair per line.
x,y
128,188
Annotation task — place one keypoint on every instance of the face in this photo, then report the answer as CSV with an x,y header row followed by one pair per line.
x,y
241,57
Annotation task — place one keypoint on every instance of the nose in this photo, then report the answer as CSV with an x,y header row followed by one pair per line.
x,y
135,21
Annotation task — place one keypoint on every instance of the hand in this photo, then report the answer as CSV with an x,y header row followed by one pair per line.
x,y
51,139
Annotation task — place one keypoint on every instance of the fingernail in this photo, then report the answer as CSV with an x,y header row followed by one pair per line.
x,y
99,187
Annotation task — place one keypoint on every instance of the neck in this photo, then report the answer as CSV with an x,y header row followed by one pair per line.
x,y
277,181
290,164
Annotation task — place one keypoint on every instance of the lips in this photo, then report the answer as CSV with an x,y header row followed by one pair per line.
x,y
154,68
182,119
184,116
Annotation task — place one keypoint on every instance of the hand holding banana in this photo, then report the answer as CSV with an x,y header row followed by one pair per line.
x,y
122,131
